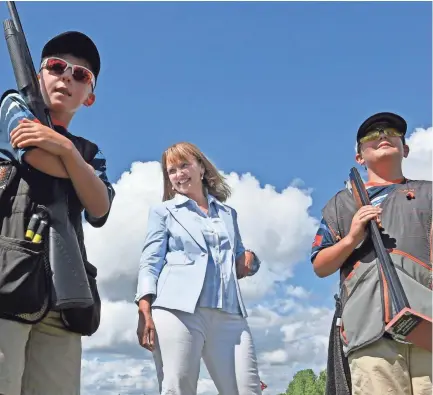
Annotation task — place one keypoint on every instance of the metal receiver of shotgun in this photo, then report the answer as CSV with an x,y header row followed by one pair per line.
x,y
70,284
407,325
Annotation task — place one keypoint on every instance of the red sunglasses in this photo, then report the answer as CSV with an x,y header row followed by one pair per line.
x,y
79,73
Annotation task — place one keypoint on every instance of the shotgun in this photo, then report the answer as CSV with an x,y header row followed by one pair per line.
x,y
70,284
407,324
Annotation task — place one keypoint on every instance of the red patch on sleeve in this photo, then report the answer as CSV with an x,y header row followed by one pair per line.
x,y
317,241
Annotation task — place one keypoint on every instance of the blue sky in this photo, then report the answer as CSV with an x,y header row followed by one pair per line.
x,y
274,89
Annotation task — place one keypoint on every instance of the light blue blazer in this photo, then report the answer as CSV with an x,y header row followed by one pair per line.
x,y
175,255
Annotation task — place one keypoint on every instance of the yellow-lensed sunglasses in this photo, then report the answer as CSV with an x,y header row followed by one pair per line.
x,y
374,134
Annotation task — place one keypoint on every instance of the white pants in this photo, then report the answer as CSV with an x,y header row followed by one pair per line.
x,y
223,340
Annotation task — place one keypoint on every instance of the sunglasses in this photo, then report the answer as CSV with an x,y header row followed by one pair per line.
x,y
375,134
79,73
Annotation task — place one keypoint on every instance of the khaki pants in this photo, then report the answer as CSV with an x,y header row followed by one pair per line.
x,y
391,368
40,359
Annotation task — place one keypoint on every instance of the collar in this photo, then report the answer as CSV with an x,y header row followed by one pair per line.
x,y
61,129
384,184
180,200
58,123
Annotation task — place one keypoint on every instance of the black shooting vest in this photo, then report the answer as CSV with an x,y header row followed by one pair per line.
x,y
24,266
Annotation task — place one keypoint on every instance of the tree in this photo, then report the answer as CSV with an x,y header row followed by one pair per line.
x,y
305,382
321,382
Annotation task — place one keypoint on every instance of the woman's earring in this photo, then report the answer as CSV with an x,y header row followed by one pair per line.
x,y
202,176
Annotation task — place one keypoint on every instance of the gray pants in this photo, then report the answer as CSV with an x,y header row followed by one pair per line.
x,y
223,341
40,359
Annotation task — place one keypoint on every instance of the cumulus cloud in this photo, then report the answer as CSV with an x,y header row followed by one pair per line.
x,y
290,329
275,357
418,165
117,329
297,292
280,231
118,375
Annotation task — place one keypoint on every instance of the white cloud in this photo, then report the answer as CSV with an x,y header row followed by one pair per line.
x,y
116,247
118,375
275,357
290,333
297,292
206,386
118,326
280,231
418,165
289,342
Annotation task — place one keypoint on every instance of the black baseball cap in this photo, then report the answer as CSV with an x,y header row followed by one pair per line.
x,y
382,118
76,44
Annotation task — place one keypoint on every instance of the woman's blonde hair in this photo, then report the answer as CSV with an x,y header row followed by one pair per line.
x,y
213,182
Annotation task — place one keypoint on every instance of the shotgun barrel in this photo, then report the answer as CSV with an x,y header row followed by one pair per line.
x,y
398,296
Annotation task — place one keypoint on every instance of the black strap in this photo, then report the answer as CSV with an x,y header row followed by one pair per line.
x,y
338,381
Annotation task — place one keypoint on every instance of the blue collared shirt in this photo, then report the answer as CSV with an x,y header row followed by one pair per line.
x,y
219,287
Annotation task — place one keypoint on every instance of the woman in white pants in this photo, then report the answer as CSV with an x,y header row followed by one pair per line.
x,y
190,305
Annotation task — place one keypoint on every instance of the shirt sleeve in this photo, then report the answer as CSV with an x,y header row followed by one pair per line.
x,y
239,245
100,165
13,109
323,239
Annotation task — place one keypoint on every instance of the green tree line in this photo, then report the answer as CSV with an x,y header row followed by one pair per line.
x,y
305,382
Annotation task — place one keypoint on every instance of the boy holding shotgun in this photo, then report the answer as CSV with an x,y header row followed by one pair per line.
x,y
378,363
44,357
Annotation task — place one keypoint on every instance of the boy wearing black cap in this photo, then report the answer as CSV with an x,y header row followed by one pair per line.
x,y
45,358
378,363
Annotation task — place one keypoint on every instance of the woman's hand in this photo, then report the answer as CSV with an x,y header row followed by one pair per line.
x,y
244,263
146,326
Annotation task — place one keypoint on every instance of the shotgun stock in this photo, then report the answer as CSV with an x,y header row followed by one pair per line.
x,y
70,283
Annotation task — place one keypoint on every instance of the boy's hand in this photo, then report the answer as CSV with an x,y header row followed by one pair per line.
x,y
360,220
33,134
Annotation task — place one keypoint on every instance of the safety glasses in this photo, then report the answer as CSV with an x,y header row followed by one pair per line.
x,y
59,66
375,134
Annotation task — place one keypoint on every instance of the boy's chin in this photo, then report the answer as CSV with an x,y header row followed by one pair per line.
x,y
61,107
385,158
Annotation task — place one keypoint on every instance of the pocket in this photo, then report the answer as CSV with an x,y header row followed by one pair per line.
x,y
85,321
415,268
7,171
418,295
24,282
362,316
174,258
